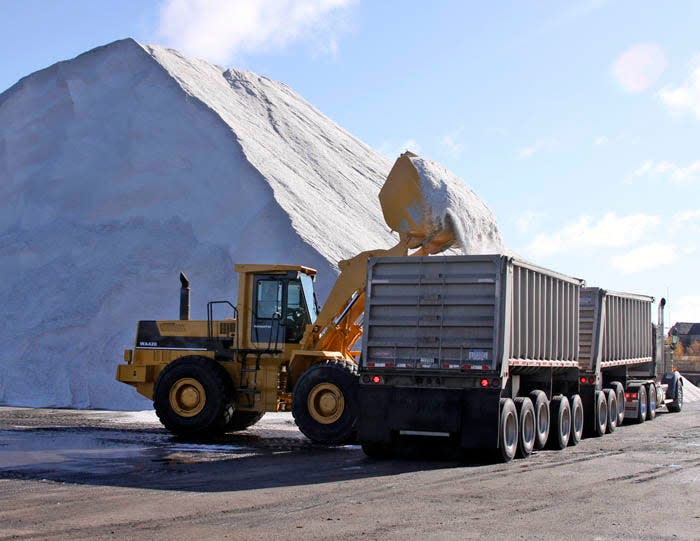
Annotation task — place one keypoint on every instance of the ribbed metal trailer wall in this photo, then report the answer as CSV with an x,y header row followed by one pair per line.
x,y
615,329
469,311
545,312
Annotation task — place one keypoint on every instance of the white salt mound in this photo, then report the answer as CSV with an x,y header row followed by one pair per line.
x,y
452,203
691,393
129,163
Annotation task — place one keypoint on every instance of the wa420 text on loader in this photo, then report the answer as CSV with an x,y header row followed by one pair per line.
x,y
280,351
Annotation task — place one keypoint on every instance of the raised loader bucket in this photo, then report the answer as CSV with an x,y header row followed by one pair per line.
x,y
405,209
436,209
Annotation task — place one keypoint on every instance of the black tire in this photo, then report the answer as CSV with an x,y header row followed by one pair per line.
x,y
541,405
560,413
508,430
240,420
611,399
526,426
677,405
577,420
620,395
377,450
193,397
642,400
330,388
600,414
651,402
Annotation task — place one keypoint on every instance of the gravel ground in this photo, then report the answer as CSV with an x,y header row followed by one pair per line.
x,y
67,474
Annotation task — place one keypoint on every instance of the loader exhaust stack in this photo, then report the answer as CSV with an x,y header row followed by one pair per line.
x,y
184,297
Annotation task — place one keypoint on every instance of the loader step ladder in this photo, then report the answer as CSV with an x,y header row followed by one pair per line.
x,y
249,373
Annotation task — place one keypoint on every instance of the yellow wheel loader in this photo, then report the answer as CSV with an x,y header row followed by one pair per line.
x,y
280,351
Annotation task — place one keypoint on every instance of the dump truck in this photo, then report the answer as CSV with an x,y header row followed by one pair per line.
x,y
493,352
280,351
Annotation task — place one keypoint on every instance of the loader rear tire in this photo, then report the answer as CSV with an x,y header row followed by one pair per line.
x,y
324,402
193,397
240,420
541,405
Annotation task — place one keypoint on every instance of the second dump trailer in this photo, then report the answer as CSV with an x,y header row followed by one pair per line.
x,y
484,351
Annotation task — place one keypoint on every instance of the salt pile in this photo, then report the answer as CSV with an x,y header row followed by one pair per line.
x,y
130,163
453,204
691,393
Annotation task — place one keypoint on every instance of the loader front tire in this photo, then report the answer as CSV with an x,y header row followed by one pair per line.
x,y
193,397
324,402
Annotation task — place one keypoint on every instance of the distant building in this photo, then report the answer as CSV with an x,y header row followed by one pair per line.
x,y
687,333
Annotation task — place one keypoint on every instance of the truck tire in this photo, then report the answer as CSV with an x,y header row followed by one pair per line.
x,y
193,397
240,420
324,402
526,426
600,421
576,420
642,400
611,399
651,402
508,430
560,413
677,405
541,405
620,394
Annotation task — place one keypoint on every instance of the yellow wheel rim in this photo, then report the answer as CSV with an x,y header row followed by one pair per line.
x,y
187,397
326,403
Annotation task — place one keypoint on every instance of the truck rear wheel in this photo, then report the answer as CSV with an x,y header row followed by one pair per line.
x,y
324,402
192,397
600,414
240,420
651,402
611,399
526,424
560,412
508,430
642,399
677,405
576,420
620,395
541,405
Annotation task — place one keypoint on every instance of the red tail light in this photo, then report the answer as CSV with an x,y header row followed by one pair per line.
x,y
484,382
583,380
377,379
591,379
627,396
495,382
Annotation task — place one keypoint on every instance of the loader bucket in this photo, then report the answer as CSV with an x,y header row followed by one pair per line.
x,y
406,212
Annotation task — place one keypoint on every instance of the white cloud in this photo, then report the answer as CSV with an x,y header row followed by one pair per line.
x,y
601,140
525,222
586,232
218,30
645,257
540,145
673,172
452,144
639,67
685,308
686,97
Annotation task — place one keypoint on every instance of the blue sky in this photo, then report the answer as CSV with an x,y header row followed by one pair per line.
x,y
578,123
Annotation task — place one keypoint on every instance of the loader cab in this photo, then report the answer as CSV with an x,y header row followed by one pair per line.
x,y
282,302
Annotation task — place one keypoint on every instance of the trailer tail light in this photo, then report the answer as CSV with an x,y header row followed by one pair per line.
x,y
377,380
583,380
591,380
495,382
484,382
631,396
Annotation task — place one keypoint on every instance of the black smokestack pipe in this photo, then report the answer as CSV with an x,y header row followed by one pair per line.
x,y
184,297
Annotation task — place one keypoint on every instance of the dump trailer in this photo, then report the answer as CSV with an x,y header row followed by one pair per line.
x,y
482,351
278,350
